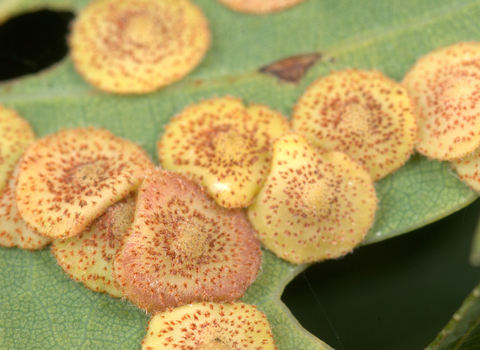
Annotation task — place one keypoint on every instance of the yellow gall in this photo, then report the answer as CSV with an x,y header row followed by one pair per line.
x,y
223,145
184,248
210,326
138,46
15,135
315,205
14,231
468,169
69,178
361,113
259,6
88,257
445,89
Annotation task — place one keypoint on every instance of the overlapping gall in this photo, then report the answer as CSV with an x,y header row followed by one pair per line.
x,y
315,205
224,145
69,178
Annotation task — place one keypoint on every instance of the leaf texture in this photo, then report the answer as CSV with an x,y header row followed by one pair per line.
x,y
41,308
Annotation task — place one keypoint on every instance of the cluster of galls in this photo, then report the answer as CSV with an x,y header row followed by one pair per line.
x,y
123,227
305,188
307,185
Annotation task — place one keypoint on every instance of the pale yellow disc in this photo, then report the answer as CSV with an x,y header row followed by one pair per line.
x,y
224,145
362,113
138,46
445,89
184,248
314,205
210,326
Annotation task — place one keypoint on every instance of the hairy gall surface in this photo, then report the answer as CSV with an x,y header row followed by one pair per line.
x,y
184,248
88,257
223,145
315,205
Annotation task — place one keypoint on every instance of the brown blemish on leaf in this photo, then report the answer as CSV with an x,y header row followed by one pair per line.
x,y
292,69
445,89
362,113
210,326
259,6
224,145
184,248
14,232
70,178
138,46
88,257
315,205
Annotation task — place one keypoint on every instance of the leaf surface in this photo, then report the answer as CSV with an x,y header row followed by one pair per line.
x,y
40,308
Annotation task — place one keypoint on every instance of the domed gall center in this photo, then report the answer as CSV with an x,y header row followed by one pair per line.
x,y
317,199
213,340
354,119
230,145
88,174
191,239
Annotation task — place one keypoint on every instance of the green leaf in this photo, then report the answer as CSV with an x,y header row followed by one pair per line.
x,y
475,251
463,331
40,308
